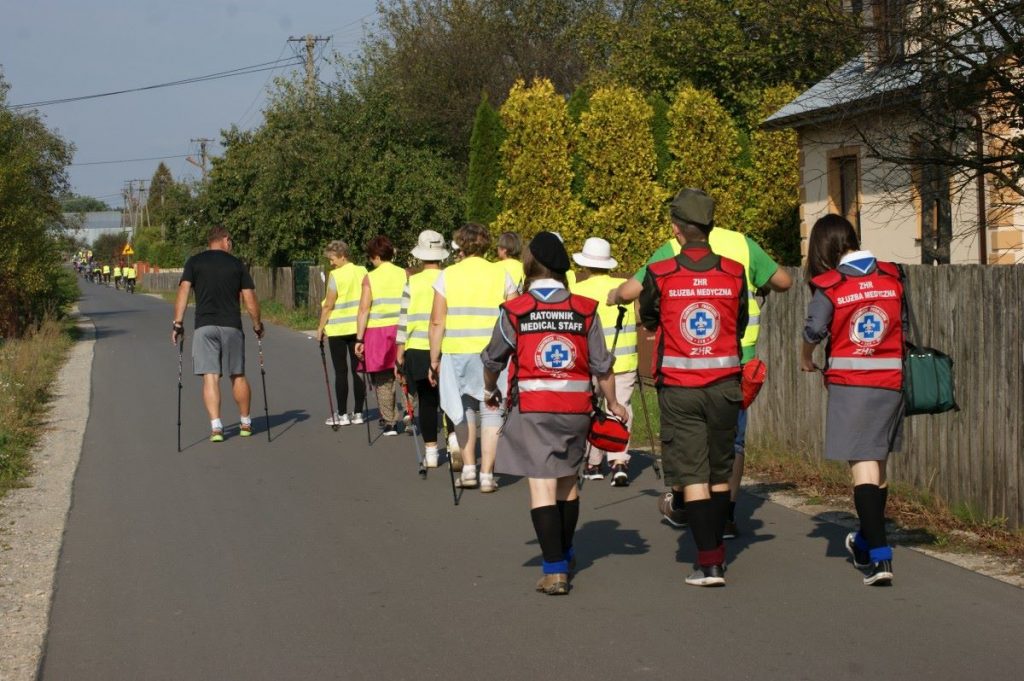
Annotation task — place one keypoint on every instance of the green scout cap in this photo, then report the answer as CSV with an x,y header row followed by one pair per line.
x,y
694,206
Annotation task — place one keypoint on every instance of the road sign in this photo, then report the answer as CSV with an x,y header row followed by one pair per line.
x,y
127,250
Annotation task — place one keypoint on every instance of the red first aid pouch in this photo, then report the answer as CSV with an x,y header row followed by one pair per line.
x,y
607,432
754,374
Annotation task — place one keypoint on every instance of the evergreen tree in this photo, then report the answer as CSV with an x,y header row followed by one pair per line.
x,y
482,204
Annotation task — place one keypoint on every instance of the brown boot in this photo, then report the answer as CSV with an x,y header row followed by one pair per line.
x,y
554,584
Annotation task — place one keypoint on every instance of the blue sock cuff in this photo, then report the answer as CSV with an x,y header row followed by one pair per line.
x,y
558,567
860,542
570,554
881,553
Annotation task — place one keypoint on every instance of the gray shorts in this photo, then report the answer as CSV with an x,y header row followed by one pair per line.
x,y
218,350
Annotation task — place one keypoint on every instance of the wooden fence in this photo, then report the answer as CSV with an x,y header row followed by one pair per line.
x,y
973,458
275,283
160,281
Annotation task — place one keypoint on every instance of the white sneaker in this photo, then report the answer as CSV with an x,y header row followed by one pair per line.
x,y
467,479
431,457
337,420
357,418
488,483
453,444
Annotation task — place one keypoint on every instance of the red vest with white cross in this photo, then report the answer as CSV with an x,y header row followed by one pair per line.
x,y
697,342
866,334
551,364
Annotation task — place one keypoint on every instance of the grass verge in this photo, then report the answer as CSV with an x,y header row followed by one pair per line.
x,y
28,367
925,518
270,310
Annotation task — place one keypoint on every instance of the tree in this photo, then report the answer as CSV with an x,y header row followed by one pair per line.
x,y
482,204
32,179
619,162
535,187
704,143
159,185
107,248
76,203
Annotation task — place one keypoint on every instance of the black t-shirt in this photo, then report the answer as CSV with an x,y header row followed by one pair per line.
x,y
217,277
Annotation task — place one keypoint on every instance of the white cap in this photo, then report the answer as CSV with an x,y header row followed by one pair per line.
x,y
596,253
430,246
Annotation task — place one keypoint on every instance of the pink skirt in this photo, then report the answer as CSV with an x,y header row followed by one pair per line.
x,y
379,349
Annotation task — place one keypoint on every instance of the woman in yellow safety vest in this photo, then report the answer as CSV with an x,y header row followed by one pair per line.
x,y
465,308
510,246
377,326
413,342
598,261
338,326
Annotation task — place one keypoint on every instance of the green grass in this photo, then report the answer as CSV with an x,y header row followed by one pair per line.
x,y
298,319
28,367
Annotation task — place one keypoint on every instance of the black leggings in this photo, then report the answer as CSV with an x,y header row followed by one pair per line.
x,y
343,356
430,402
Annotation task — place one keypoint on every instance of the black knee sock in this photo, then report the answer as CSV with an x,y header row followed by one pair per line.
x,y
870,501
720,504
702,524
570,512
547,523
885,498
732,510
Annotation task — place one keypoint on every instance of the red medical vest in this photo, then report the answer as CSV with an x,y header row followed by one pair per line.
x,y
866,334
697,337
551,364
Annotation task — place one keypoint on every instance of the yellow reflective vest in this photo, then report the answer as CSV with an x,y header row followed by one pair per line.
x,y
129,273
412,329
387,281
117,271
348,279
106,269
514,269
733,245
597,288
473,290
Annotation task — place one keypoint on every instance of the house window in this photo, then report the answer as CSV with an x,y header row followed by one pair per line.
x,y
844,185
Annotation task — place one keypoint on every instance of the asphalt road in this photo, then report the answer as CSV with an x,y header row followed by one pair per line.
x,y
315,556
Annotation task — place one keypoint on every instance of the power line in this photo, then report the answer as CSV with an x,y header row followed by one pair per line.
x,y
128,160
240,71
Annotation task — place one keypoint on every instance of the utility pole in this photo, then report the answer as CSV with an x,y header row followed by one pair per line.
x,y
203,156
310,40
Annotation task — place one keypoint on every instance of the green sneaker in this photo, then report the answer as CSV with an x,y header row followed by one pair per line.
x,y
245,429
217,435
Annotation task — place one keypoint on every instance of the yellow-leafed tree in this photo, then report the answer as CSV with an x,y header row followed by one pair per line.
x,y
617,147
536,183
704,144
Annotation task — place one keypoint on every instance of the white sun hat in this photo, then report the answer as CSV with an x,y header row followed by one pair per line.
x,y
430,246
596,253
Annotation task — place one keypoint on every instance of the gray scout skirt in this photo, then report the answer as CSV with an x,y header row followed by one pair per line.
x,y
863,424
542,445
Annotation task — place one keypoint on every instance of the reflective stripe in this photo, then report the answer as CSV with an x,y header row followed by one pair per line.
x,y
700,363
625,350
561,386
346,305
865,364
628,328
754,321
473,311
342,320
468,333
386,301
420,317
418,333
385,315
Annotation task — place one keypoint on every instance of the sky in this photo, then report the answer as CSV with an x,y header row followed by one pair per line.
x,y
52,49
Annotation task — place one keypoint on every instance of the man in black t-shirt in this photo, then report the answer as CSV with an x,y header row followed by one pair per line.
x,y
218,345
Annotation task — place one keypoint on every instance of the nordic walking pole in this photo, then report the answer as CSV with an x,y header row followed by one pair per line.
x,y
327,380
647,421
366,381
263,376
410,413
181,344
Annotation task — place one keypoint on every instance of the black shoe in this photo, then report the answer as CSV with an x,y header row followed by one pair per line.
x,y
861,558
730,531
712,575
592,472
880,574
676,517
620,475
